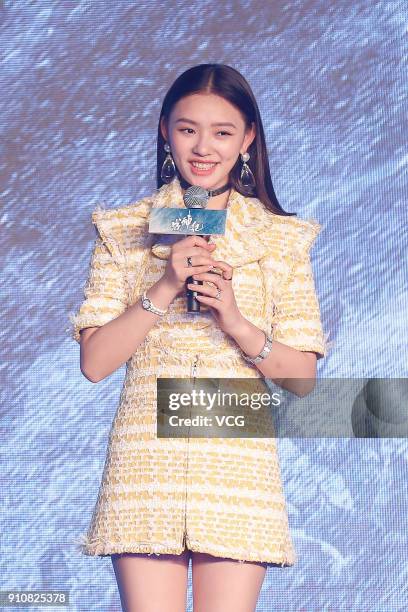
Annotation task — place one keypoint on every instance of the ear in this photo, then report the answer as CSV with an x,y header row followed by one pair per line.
x,y
249,136
163,129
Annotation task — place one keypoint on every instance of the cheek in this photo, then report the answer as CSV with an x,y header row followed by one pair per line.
x,y
179,145
229,150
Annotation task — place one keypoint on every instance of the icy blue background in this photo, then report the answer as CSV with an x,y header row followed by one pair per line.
x,y
81,89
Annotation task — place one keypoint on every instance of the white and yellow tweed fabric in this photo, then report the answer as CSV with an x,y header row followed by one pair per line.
x,y
222,496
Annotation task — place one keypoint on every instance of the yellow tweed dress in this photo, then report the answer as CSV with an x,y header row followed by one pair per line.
x,y
221,496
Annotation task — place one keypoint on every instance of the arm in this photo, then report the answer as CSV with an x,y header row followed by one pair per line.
x,y
124,325
113,330
106,348
283,362
298,339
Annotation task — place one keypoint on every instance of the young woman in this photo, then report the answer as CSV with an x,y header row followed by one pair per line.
x,y
217,500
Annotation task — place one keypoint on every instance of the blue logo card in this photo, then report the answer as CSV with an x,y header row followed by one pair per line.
x,y
187,221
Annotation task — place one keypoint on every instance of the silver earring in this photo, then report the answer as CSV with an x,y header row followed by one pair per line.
x,y
168,171
247,178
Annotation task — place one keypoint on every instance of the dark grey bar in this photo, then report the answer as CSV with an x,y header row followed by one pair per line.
x,y
260,408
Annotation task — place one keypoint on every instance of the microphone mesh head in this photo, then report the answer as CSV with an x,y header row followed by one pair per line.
x,y
196,197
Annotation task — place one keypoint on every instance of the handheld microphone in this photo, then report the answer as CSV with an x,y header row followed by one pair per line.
x,y
195,197
198,221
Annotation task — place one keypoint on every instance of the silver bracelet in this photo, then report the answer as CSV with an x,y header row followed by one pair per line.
x,y
148,305
264,353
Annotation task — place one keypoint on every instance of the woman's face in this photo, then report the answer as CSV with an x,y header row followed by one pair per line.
x,y
194,136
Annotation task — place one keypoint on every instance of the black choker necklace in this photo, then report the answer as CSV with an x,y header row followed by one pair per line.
x,y
211,192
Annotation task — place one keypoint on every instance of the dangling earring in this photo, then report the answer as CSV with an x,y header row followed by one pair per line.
x,y
247,178
168,171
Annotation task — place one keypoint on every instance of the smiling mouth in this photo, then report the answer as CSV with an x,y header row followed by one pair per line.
x,y
203,165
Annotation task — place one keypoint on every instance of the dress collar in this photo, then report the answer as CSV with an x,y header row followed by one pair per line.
x,y
251,230
247,228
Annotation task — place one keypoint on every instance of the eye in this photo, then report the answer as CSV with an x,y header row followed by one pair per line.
x,y
191,129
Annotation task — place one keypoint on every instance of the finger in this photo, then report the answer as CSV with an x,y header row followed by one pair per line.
x,y
192,242
191,270
227,270
211,301
197,260
215,279
197,255
195,240
205,289
198,252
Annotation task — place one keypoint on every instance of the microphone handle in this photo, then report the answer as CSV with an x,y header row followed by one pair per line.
x,y
193,305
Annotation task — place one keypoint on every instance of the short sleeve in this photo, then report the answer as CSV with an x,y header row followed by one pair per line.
x,y
297,318
105,292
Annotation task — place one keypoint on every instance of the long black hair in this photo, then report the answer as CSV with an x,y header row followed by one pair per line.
x,y
225,81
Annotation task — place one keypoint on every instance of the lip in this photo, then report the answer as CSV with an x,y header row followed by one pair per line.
x,y
201,172
202,161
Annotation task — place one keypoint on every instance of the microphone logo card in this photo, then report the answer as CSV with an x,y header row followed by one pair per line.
x,y
187,221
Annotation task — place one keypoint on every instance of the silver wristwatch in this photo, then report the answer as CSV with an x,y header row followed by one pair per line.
x,y
148,305
264,353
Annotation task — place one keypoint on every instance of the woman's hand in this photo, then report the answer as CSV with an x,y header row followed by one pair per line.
x,y
177,269
225,308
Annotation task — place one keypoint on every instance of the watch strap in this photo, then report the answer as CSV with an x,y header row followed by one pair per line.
x,y
264,353
147,304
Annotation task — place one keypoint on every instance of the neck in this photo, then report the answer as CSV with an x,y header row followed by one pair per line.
x,y
217,202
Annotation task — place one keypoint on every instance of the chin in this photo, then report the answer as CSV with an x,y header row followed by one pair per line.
x,y
208,182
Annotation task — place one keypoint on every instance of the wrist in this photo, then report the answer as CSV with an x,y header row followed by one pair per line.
x,y
249,338
241,331
161,294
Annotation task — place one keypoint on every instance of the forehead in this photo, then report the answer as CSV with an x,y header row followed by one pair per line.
x,y
206,109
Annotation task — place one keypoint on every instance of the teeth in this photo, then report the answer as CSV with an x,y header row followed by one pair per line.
x,y
202,166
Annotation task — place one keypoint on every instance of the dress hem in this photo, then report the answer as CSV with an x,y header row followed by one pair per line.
x,y
101,548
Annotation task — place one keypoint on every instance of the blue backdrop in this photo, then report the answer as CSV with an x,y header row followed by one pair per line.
x,y
82,85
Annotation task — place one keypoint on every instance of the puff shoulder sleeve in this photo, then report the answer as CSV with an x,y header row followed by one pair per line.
x,y
104,292
297,317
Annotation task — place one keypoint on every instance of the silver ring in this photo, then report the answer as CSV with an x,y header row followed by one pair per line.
x,y
218,296
189,262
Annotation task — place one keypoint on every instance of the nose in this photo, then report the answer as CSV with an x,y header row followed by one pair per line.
x,y
201,146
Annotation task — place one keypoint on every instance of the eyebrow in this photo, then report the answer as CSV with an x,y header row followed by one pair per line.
x,y
183,119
